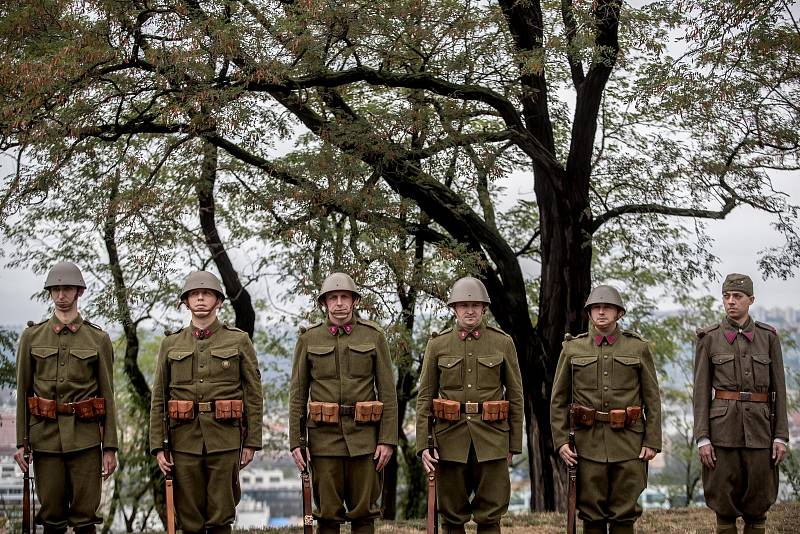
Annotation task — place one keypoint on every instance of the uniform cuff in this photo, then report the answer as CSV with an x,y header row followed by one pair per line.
x,y
781,440
702,442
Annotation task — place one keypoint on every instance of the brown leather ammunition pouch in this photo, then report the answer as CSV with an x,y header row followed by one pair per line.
x,y
368,412
181,410
495,410
41,407
99,406
584,416
225,410
323,412
446,410
616,419
86,409
632,415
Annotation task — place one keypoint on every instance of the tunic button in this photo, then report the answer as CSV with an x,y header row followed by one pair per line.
x,y
605,373
605,387
201,365
201,380
469,385
63,363
747,372
61,380
606,404
469,417
469,370
605,357
469,354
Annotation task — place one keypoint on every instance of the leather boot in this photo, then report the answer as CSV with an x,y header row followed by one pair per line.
x,y
595,527
726,525
620,528
366,526
755,526
489,528
452,529
219,530
327,527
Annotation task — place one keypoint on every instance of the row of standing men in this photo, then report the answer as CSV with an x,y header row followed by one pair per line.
x,y
343,396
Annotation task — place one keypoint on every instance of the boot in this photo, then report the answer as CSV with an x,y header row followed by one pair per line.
x,y
755,526
364,526
327,527
452,529
219,530
595,527
489,528
620,528
726,525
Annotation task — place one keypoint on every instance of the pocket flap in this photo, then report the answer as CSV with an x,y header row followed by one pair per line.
x,y
718,359
83,353
320,350
366,347
44,352
762,358
626,360
491,361
179,355
584,360
717,411
449,361
225,353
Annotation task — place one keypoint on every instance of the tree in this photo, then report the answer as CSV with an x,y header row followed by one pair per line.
x,y
578,97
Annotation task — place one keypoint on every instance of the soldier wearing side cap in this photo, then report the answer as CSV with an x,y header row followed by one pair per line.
x,y
606,383
207,378
65,404
343,386
471,383
740,419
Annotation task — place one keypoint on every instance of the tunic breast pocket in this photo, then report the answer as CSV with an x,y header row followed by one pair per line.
x,y
46,362
82,364
761,370
224,365
362,360
724,372
450,372
584,372
489,371
323,361
625,372
180,366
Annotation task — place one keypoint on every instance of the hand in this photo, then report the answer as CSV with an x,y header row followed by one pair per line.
x,y
382,453
647,454
298,458
429,462
707,456
109,463
778,452
164,464
569,456
510,458
19,456
246,457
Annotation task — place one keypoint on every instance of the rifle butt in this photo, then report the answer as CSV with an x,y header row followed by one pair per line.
x,y
170,505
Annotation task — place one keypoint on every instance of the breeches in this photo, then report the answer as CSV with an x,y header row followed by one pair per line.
x,y
68,486
345,489
206,489
609,491
743,483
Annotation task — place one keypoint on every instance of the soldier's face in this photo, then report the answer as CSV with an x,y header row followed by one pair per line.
x,y
202,303
469,314
604,316
340,306
65,298
737,304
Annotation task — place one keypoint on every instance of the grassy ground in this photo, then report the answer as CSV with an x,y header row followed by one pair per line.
x,y
783,518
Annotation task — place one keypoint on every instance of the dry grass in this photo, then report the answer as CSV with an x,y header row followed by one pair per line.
x,y
783,518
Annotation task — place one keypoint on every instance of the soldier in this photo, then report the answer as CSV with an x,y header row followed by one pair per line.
x,y
65,405
342,381
208,378
471,383
739,360
606,383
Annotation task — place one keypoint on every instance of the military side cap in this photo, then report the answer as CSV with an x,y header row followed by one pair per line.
x,y
738,282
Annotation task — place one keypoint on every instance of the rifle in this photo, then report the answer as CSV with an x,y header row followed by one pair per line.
x,y
26,477
433,519
773,409
165,445
308,518
572,474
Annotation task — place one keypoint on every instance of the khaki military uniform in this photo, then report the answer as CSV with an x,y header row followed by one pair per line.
x,y
739,359
222,366
607,373
66,363
332,365
472,453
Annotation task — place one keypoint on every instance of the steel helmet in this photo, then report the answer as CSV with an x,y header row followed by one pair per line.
x,y
202,280
468,289
64,273
604,295
337,282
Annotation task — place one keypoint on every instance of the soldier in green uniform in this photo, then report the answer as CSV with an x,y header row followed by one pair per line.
x,y
342,381
606,378
209,374
738,367
65,404
471,382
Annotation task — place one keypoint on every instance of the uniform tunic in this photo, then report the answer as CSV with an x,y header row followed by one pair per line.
x,y
739,358
607,373
223,366
472,452
333,365
66,363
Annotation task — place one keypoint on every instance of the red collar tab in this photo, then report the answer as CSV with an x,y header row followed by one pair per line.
x,y
202,333
339,330
464,334
730,335
57,328
609,340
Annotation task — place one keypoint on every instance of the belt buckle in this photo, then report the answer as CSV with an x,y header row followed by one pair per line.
x,y
744,396
471,407
203,407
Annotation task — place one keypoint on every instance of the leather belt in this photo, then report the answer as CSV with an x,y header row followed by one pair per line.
x,y
602,416
744,396
65,409
346,409
471,407
205,407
